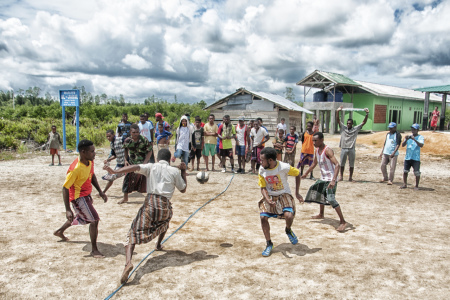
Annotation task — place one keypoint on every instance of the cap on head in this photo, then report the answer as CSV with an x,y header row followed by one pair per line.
x,y
392,125
415,126
159,115
241,118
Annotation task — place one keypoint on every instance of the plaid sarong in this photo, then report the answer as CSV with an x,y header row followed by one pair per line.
x,y
134,182
284,202
321,194
85,212
256,154
152,219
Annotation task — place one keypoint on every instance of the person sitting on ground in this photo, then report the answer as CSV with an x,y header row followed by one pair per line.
x,y
54,143
413,144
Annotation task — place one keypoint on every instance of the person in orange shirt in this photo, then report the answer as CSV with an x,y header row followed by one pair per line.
x,y
77,190
307,154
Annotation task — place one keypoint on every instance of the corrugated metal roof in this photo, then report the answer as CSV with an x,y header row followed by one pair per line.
x,y
278,100
338,78
443,89
322,79
395,92
281,101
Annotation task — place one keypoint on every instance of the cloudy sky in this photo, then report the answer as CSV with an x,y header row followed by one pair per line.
x,y
207,49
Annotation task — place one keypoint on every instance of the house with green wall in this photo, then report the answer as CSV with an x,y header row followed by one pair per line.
x,y
385,103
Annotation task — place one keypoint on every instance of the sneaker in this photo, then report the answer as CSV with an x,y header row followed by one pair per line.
x,y
224,170
233,171
292,237
267,251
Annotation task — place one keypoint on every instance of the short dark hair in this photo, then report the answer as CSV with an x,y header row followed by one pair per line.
x,y
84,144
110,131
187,115
53,126
160,124
134,126
147,114
198,119
124,114
295,128
310,122
269,153
259,119
283,119
211,115
351,120
226,116
142,116
319,134
281,130
164,154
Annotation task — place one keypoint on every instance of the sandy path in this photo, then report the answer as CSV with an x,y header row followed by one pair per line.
x,y
396,246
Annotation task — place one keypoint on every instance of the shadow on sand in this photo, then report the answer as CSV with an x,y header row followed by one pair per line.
x,y
171,258
335,224
299,249
107,250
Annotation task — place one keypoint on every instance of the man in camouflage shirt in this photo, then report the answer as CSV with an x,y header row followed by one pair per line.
x,y
138,150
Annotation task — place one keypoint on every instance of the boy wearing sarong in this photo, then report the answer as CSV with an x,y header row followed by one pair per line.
x,y
291,146
117,152
138,150
307,152
323,191
277,201
154,216
77,190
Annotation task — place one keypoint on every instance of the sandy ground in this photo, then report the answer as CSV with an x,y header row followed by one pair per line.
x,y
396,245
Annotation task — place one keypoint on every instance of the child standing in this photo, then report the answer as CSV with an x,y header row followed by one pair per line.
x,y
54,141
162,137
291,146
197,143
279,144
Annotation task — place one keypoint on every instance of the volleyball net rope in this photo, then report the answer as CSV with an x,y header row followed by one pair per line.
x,y
165,240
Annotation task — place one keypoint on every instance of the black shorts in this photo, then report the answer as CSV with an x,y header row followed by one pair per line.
x,y
412,163
195,153
226,152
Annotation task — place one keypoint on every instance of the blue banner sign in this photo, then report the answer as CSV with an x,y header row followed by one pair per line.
x,y
69,97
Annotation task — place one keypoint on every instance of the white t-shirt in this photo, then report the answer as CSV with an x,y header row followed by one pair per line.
x,y
144,129
163,180
240,135
282,126
258,136
183,140
276,180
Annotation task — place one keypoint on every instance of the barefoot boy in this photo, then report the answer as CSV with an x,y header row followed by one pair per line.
x,y
279,144
277,201
197,143
323,191
54,142
307,152
291,140
77,190
162,137
413,144
117,152
152,219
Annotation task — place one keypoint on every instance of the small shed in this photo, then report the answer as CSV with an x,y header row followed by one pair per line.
x,y
251,105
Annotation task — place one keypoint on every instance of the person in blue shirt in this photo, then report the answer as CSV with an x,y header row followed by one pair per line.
x,y
389,153
162,137
413,144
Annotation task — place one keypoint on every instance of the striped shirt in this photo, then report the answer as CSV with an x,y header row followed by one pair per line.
x,y
325,164
118,151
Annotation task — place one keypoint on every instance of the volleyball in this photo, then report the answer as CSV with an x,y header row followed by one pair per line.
x,y
202,177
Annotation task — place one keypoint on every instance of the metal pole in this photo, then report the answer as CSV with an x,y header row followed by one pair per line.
x,y
64,126
78,127
425,111
443,107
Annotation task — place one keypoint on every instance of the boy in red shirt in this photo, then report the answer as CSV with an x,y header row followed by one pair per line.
x,y
77,190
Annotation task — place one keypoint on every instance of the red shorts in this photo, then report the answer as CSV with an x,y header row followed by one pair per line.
x,y
54,151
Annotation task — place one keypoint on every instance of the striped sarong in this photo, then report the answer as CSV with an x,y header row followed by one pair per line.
x,y
321,194
152,219
134,182
85,212
284,202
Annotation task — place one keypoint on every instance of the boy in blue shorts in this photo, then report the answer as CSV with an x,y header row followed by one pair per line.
x,y
413,144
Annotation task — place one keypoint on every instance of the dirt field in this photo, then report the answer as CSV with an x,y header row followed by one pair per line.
x,y
396,245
